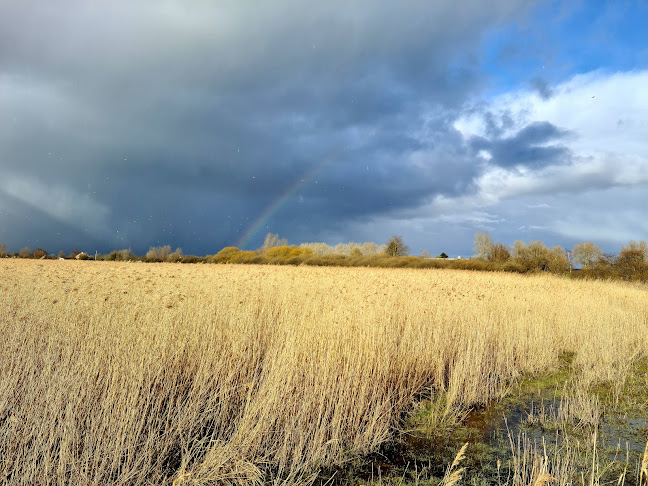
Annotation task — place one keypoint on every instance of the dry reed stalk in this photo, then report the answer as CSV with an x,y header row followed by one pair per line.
x,y
543,479
453,476
644,465
180,479
460,456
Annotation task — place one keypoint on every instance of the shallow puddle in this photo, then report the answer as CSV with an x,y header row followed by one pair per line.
x,y
530,413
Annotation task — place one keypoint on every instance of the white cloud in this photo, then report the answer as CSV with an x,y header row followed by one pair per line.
x,y
484,154
584,175
607,115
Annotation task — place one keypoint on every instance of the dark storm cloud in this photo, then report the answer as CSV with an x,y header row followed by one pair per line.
x,y
182,123
542,87
533,146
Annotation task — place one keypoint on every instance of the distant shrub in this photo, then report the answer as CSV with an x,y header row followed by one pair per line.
x,y
243,256
533,257
603,268
404,262
124,255
302,252
510,266
366,248
74,253
318,249
278,252
173,258
537,257
158,253
120,256
632,262
191,259
475,264
82,256
557,260
224,256
586,254
296,260
287,252
637,247
61,254
443,255
498,254
39,253
25,252
326,260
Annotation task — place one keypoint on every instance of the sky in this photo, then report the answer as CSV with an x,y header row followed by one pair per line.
x,y
203,124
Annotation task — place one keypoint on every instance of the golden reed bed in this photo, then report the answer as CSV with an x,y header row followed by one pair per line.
x,y
127,373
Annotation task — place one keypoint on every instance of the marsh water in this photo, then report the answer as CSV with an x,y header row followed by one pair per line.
x,y
533,417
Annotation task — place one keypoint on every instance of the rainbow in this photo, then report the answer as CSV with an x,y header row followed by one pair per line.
x,y
281,200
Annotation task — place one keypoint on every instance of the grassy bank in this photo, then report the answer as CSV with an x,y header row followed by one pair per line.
x,y
126,373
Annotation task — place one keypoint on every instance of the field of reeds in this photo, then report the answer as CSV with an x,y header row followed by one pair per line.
x,y
127,373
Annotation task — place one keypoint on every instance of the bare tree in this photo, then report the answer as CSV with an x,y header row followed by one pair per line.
x,y
272,240
632,261
4,251
534,256
640,247
519,249
25,252
158,253
425,254
539,255
498,254
483,245
124,255
396,246
586,254
557,260
366,248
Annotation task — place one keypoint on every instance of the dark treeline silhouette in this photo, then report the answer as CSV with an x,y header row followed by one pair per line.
x,y
585,260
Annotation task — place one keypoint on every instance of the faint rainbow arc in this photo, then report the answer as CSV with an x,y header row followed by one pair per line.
x,y
281,200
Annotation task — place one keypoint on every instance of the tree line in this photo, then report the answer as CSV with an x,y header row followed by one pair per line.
x,y
585,259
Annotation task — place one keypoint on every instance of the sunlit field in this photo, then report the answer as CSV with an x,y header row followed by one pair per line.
x,y
131,373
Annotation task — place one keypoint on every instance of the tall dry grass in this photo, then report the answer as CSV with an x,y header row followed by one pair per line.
x,y
125,373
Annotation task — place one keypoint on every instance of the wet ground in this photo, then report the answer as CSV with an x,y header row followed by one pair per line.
x,y
533,413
